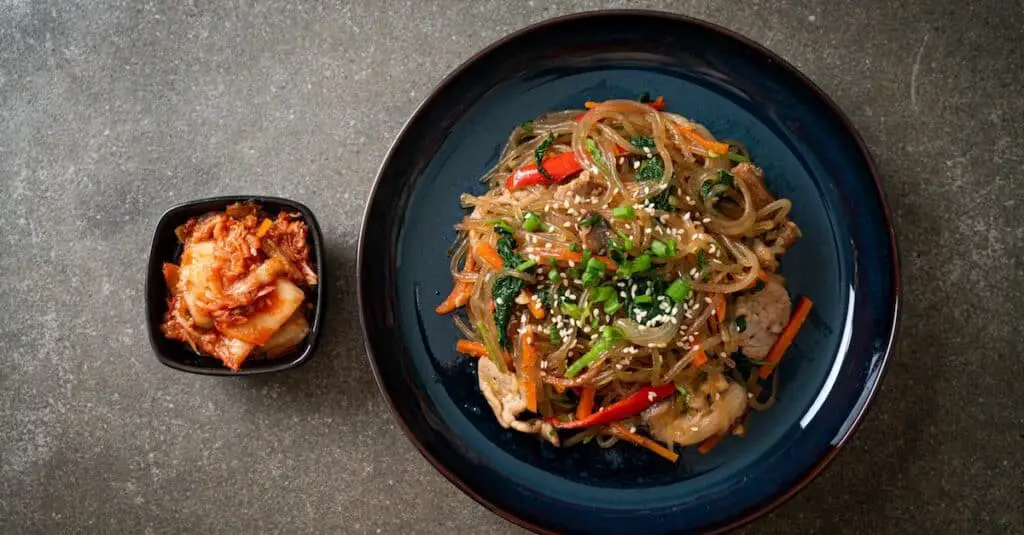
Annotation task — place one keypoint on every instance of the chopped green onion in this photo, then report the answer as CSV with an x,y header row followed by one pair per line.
x,y
572,310
602,293
574,247
643,299
556,340
594,151
682,390
526,265
678,291
532,223
554,276
590,221
593,273
500,223
623,212
737,157
611,333
527,127
612,305
641,263
659,248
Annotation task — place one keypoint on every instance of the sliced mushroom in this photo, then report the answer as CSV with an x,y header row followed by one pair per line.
x,y
596,235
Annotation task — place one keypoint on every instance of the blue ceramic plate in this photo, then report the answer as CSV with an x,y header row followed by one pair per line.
x,y
846,263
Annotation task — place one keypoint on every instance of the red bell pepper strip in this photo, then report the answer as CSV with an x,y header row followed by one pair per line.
x,y
635,404
559,166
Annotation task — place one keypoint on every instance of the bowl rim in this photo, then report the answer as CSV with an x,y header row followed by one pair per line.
x,y
313,338
783,64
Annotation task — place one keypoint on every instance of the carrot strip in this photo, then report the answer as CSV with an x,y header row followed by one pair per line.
x,y
471,348
714,146
701,358
488,254
460,293
590,104
565,255
762,276
658,104
785,339
529,370
622,432
534,306
719,301
586,406
709,444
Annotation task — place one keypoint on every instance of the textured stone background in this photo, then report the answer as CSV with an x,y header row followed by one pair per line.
x,y
112,111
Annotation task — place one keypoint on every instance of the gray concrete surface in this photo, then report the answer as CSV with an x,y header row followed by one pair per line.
x,y
112,111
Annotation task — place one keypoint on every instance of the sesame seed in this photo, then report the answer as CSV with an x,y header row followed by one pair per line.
x,y
694,428
547,245
567,224
636,164
647,231
572,263
651,396
499,301
706,220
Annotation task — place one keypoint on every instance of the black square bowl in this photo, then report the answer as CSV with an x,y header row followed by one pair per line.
x,y
166,248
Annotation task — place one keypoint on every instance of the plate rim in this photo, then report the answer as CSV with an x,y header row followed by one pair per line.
x,y
872,170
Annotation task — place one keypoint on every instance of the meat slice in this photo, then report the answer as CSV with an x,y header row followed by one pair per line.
x,y
583,186
696,425
753,177
502,393
766,312
788,235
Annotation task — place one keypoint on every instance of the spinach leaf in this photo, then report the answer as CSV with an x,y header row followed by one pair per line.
x,y
660,201
650,169
539,156
643,306
507,248
504,292
643,141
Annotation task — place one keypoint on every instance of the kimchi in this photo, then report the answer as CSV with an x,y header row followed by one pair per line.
x,y
238,289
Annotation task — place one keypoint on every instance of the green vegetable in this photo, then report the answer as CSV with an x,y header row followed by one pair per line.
x,y
702,261
544,296
504,291
650,169
538,155
589,221
602,293
612,305
644,306
527,127
757,362
572,310
623,212
594,151
609,336
717,186
659,248
644,97
759,285
554,276
507,248
682,390
523,266
492,351
532,222
627,242
643,141
556,340
661,200
639,264
500,223
593,273
737,157
678,291
741,324
574,247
